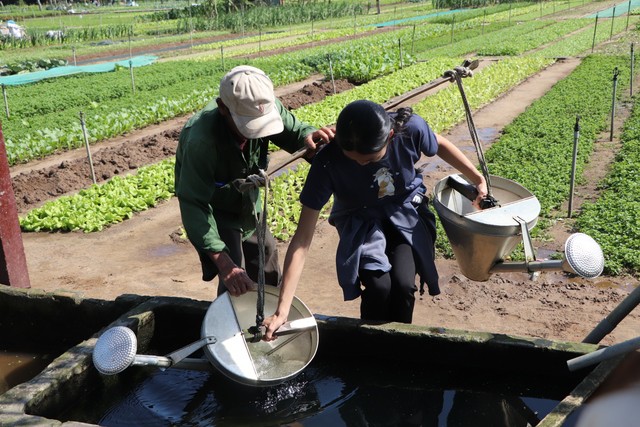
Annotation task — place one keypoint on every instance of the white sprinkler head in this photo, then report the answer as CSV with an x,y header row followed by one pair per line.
x,y
584,255
115,350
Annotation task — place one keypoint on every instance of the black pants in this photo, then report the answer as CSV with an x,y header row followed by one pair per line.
x,y
390,296
245,254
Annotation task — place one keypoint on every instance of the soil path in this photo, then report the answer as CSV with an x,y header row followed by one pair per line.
x,y
142,256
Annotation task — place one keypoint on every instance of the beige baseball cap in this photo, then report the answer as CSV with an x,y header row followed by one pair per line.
x,y
248,93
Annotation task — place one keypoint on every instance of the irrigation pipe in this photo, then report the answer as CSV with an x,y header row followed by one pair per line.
x,y
603,328
603,354
609,323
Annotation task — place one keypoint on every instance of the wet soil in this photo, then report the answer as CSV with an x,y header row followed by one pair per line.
x,y
144,256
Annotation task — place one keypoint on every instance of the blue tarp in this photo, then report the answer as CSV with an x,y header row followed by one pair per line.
x,y
417,18
620,9
20,79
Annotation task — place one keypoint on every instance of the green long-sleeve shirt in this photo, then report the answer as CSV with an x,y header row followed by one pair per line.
x,y
208,159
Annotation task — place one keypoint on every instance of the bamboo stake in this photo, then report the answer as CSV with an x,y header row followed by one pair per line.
x,y
86,143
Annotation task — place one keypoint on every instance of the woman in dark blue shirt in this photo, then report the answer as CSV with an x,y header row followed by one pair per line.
x,y
386,230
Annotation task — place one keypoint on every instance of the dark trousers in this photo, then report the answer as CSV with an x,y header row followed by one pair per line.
x,y
390,296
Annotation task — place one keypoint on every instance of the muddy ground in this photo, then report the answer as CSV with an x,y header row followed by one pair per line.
x,y
142,255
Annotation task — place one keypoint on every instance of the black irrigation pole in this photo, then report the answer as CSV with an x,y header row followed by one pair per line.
x,y
453,22
576,136
633,60
484,20
628,14
613,100
613,18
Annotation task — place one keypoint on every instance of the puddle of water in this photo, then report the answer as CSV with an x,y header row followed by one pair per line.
x,y
487,134
16,368
164,250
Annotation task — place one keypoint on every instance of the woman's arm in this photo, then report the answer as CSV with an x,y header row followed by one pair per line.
x,y
451,154
293,264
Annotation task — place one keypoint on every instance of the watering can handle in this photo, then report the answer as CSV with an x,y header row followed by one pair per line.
x,y
255,334
471,192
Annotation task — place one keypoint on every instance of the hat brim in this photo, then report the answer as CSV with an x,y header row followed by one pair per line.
x,y
259,127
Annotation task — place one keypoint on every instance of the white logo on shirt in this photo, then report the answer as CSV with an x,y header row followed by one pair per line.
x,y
384,178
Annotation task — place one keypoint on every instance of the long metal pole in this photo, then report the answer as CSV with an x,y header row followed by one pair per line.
x,y
576,136
609,323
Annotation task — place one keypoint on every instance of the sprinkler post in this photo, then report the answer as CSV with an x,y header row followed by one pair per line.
x,y
613,18
633,60
576,136
613,100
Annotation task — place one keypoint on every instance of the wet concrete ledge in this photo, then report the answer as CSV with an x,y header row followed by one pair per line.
x,y
45,319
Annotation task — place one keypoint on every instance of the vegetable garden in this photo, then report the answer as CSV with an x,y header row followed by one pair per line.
x,y
337,40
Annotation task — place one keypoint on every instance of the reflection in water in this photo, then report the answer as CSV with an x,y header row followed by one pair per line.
x,y
320,396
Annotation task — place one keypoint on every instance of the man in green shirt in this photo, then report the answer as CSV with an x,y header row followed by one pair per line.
x,y
225,141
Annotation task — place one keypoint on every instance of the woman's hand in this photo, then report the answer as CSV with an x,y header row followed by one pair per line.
x,y
272,323
482,193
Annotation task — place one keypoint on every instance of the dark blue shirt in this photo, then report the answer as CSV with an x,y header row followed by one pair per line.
x,y
366,196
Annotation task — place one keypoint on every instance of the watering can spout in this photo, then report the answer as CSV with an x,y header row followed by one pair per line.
x,y
582,256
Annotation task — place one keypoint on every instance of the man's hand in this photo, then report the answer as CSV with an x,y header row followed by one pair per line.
x,y
237,281
316,139
235,278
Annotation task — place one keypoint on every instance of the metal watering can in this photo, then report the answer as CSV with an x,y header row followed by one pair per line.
x,y
480,239
227,342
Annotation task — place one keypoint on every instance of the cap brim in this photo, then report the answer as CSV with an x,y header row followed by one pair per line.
x,y
259,127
